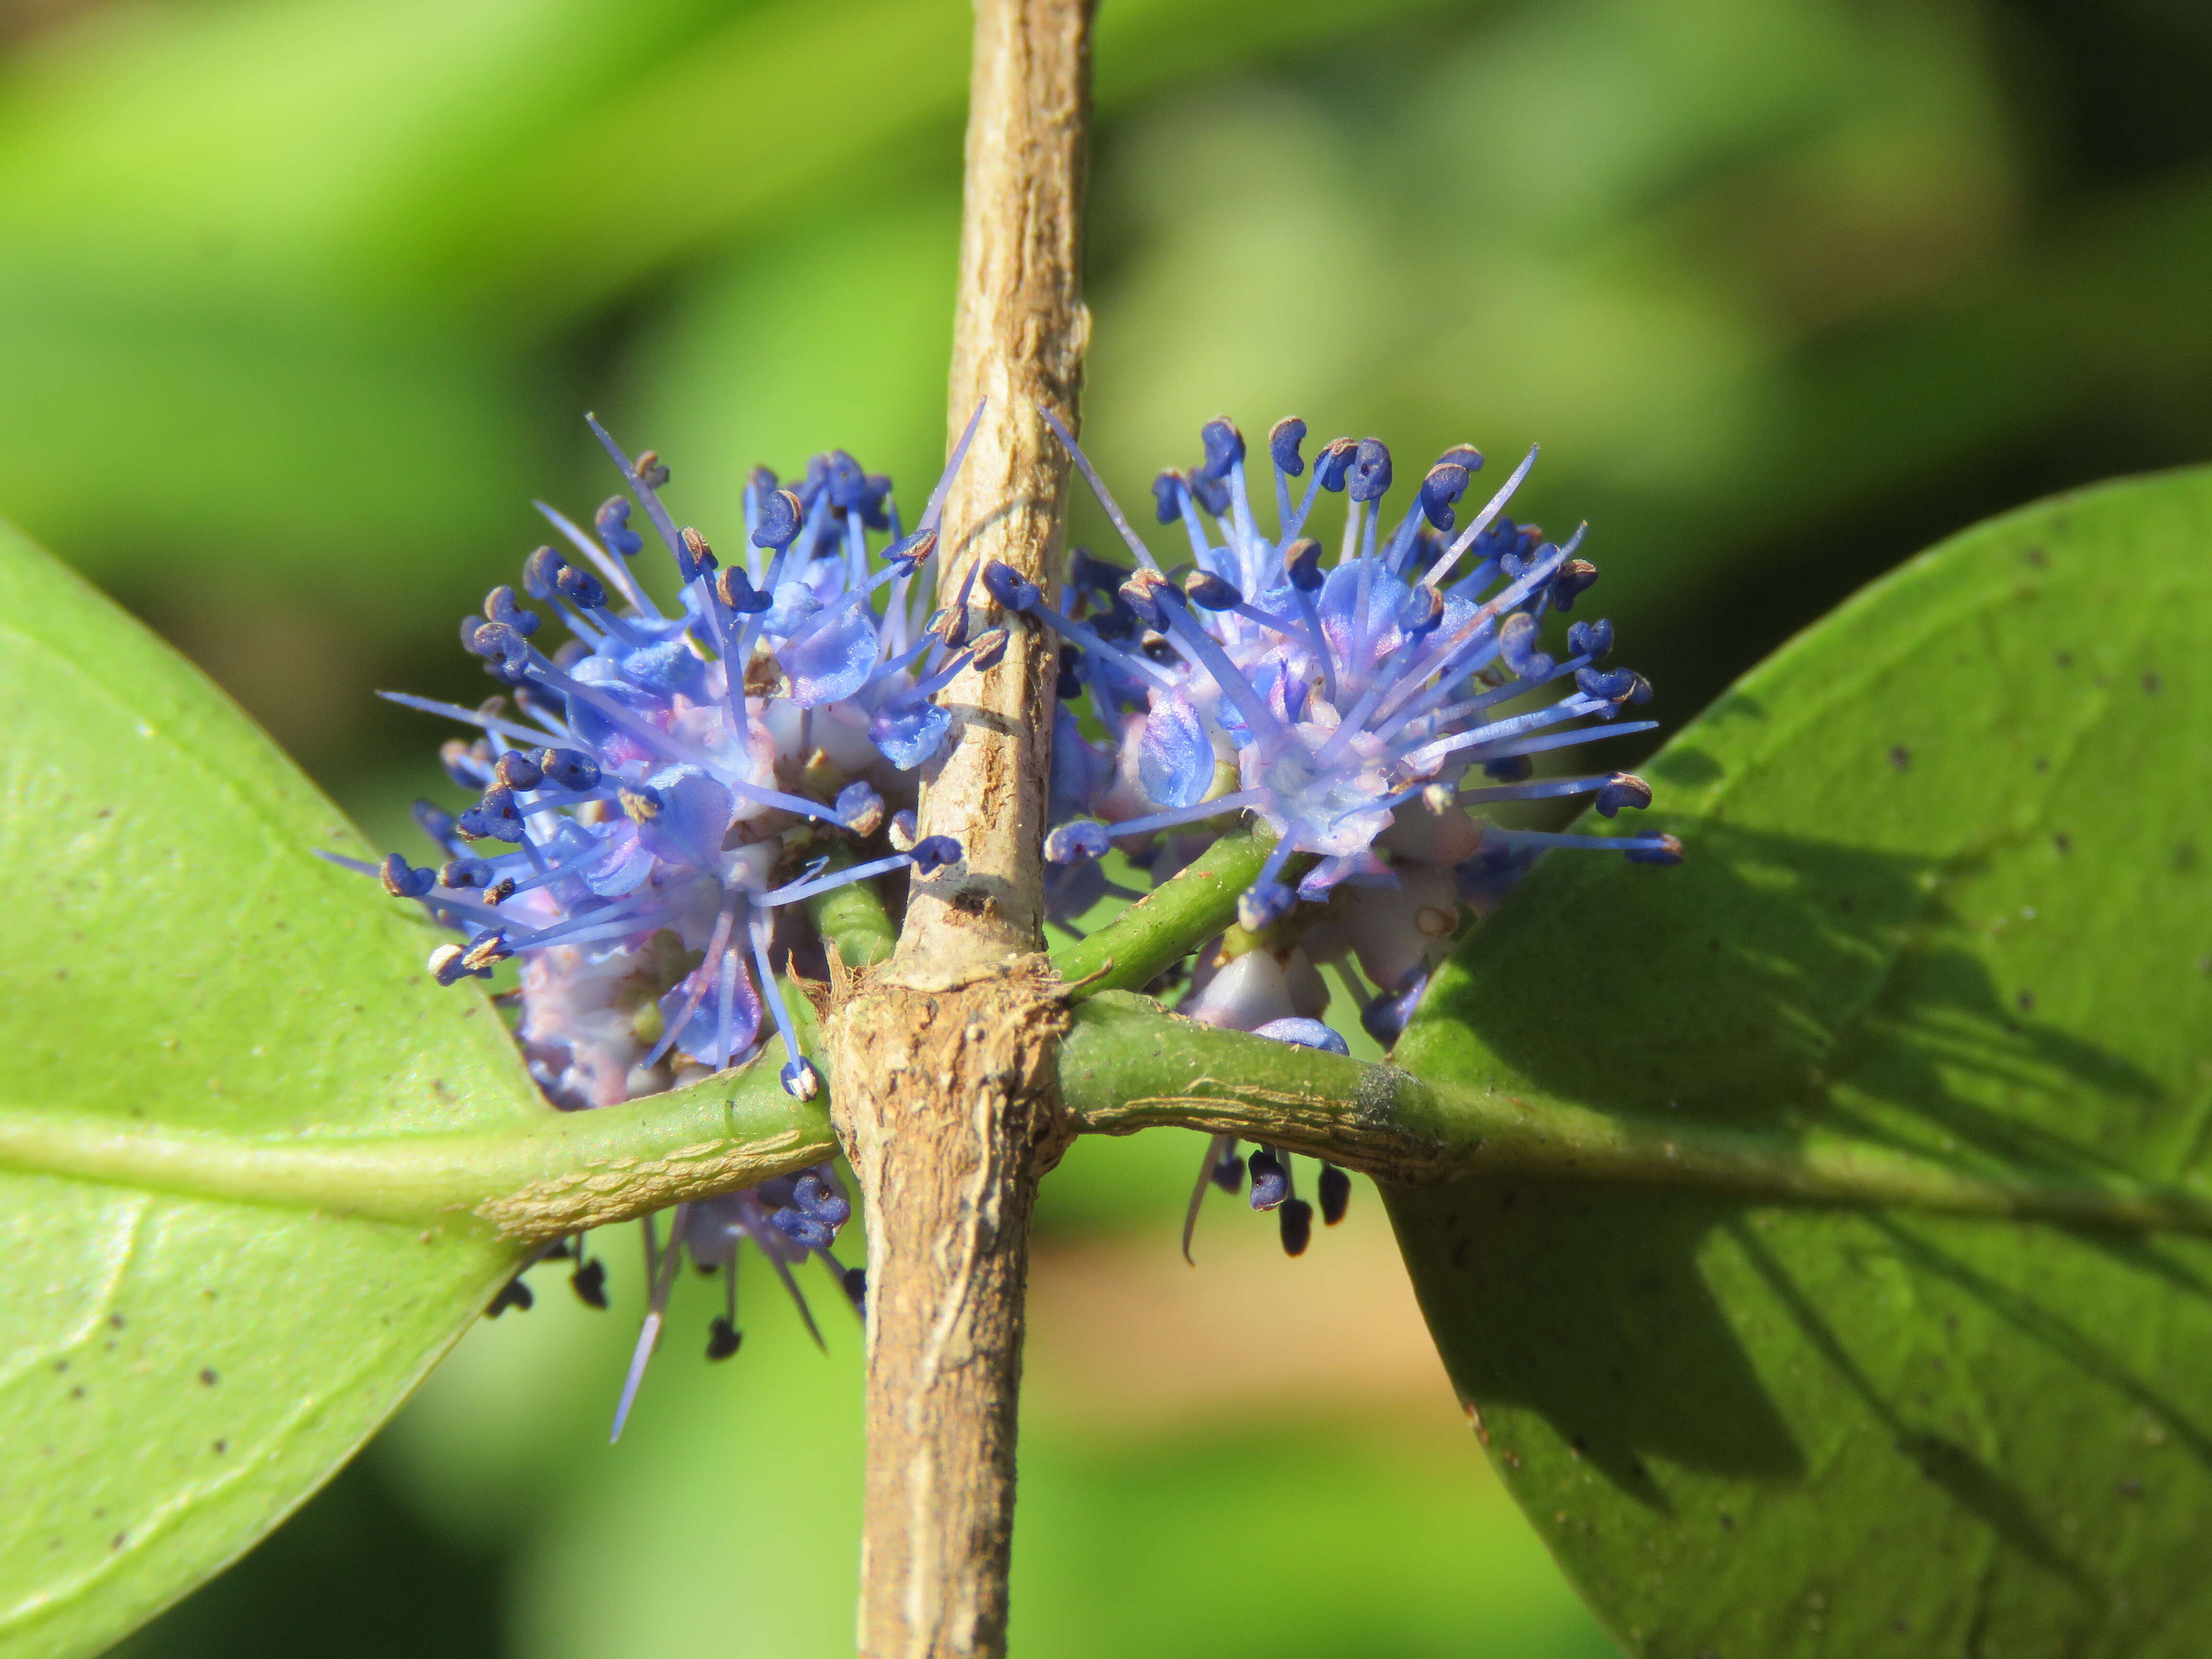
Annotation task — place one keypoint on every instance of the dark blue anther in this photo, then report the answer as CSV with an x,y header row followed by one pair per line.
x,y
723,1339
797,1223
1167,495
989,650
1302,558
490,949
494,817
1224,446
612,522
1211,494
461,874
1295,1221
471,627
402,880
1370,476
872,502
1608,684
500,607
1466,455
518,770
735,589
1513,768
569,768
817,479
1117,622
855,1283
1335,1194
435,821
1271,1181
1517,648
651,471
1229,1173
799,1079
760,485
1069,685
1090,573
1385,1018
1076,843
848,484
589,1281
779,517
1283,441
539,571
582,587
1210,591
449,963
466,765
1640,693
1445,484
694,558
908,554
1008,586
933,852
1593,640
1622,789
859,807
1263,904
1334,461
816,1198
1146,593
1576,576
1432,614
1668,851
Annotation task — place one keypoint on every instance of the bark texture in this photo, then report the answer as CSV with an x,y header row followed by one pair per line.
x,y
943,1059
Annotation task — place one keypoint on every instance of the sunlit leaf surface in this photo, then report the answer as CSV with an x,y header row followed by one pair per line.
x,y
1946,889
177,1373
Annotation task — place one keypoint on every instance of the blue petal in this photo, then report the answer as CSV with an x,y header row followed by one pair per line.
x,y
833,661
1174,757
908,734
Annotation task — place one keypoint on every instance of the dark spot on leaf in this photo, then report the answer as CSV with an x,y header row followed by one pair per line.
x,y
1728,1521
2185,858
1901,756
60,1365
208,1378
221,1446
2064,659
116,1320
2043,762
2129,1487
1686,766
1847,904
2036,556
2062,842
2152,685
116,1542
2027,1002
77,1393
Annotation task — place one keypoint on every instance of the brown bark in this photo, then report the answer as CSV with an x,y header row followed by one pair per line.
x,y
942,1061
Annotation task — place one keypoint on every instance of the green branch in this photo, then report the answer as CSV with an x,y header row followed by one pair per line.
x,y
547,1177
1126,1066
1171,921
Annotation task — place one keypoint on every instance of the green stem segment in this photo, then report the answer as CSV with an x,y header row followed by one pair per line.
x,y
1125,1066
1170,923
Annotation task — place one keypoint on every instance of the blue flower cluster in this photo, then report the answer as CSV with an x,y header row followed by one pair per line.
x,y
1356,708
658,795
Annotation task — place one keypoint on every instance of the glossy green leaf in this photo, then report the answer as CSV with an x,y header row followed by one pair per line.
x,y
1947,889
177,1372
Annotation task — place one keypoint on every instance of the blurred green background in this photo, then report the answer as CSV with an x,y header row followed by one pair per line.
x,y
300,300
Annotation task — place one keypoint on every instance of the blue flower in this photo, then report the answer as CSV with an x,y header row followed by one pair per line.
x,y
1358,706
656,796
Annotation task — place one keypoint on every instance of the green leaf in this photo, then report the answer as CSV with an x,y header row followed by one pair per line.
x,y
176,1372
1946,889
